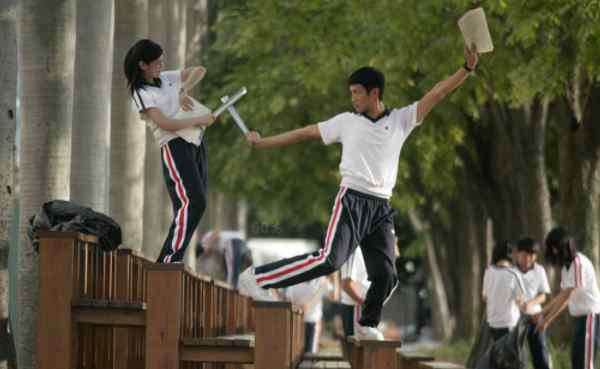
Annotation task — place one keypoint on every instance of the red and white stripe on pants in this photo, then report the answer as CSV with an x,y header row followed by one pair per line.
x,y
311,261
181,217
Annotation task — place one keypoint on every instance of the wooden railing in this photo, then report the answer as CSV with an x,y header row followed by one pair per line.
x,y
118,310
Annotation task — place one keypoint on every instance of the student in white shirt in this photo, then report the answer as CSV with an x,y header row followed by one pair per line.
x,y
502,292
355,284
371,139
537,287
158,96
309,295
579,291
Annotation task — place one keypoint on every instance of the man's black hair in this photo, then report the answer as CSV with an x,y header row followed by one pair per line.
x,y
528,245
369,78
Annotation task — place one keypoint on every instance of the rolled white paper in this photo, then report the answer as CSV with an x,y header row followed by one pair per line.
x,y
238,95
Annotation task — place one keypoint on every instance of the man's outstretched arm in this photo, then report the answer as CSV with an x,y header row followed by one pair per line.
x,y
443,88
310,132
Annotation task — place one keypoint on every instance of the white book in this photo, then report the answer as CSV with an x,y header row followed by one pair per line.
x,y
474,28
192,134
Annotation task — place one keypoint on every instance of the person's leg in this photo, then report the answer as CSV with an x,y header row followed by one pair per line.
x,y
340,241
378,252
579,347
187,191
309,336
348,319
537,346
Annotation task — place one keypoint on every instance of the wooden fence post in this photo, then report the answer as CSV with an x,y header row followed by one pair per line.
x,y
56,337
163,316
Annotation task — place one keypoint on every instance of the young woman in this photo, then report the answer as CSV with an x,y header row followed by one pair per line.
x,y
158,96
579,291
502,292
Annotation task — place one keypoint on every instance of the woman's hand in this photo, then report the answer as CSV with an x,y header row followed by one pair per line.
x,y
185,102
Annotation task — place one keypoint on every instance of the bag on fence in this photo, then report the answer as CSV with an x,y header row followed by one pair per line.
x,y
59,215
509,351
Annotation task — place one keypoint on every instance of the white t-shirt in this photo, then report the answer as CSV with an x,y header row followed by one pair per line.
x,y
166,99
581,276
370,150
311,293
501,287
355,269
535,282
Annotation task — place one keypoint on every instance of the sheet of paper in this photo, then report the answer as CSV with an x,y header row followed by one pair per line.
x,y
474,28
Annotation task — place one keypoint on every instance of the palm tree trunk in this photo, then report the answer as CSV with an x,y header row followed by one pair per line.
x,y
128,134
155,195
8,99
91,105
46,50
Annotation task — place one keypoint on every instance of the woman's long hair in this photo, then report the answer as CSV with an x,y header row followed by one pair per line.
x,y
560,248
146,51
501,251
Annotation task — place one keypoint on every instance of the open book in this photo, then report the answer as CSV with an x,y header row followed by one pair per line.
x,y
474,28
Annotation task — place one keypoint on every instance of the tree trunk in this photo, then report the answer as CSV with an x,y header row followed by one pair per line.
x,y
46,51
155,194
8,111
91,104
442,321
470,242
128,134
580,174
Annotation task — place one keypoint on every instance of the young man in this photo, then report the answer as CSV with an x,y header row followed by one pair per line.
x,y
579,291
371,139
536,287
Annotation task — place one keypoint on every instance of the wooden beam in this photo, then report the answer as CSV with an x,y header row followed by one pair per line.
x,y
216,354
112,317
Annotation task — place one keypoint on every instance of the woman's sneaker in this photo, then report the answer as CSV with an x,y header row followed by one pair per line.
x,y
247,286
368,333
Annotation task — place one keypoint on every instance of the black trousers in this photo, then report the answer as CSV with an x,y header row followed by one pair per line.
x,y
186,171
347,312
498,333
585,341
310,337
357,219
538,348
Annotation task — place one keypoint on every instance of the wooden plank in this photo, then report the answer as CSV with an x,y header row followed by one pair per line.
x,y
323,357
411,360
367,343
207,354
439,365
55,331
271,304
66,236
110,316
163,317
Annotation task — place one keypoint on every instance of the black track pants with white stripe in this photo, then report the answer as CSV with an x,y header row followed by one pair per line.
x,y
185,171
585,341
357,219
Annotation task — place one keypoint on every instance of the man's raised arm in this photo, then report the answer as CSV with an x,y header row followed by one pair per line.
x,y
443,88
310,132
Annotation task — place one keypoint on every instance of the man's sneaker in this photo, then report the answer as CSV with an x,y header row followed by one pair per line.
x,y
368,333
247,286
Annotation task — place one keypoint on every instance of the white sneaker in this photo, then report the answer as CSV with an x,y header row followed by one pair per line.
x,y
368,333
247,286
